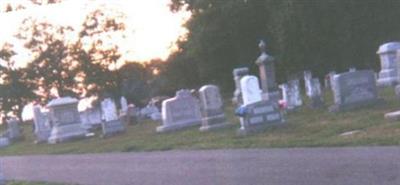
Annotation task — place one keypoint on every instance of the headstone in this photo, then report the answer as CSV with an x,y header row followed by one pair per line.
x,y
307,82
397,88
180,112
111,124
352,69
316,94
331,76
267,74
91,117
213,113
124,104
259,115
354,89
4,142
64,117
291,94
387,55
14,132
41,124
250,88
238,74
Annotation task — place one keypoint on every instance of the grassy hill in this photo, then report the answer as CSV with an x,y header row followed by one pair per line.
x,y
304,128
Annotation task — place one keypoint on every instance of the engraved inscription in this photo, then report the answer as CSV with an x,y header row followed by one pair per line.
x,y
256,120
273,117
261,110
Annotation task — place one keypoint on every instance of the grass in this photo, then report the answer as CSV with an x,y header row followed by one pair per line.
x,y
304,128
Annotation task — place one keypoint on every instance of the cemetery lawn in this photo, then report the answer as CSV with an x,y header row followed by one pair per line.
x,y
304,128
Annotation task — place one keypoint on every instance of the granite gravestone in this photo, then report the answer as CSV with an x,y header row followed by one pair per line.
x,y
13,131
213,113
267,74
316,94
111,124
256,113
238,74
330,76
354,89
387,54
180,112
65,120
291,94
124,114
41,124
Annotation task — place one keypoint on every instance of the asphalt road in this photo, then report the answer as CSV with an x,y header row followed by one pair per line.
x,y
299,166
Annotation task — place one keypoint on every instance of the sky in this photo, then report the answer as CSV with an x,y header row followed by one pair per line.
x,y
152,30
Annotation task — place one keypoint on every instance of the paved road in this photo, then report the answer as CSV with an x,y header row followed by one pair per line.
x,y
315,166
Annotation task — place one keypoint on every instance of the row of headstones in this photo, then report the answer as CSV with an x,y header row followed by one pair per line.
x,y
63,121
12,134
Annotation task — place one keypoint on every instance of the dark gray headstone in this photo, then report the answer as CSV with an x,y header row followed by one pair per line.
x,y
213,113
260,115
354,89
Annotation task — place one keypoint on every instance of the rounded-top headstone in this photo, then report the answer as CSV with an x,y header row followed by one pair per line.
x,y
183,93
388,47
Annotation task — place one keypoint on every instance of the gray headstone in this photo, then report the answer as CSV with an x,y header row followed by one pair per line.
x,y
238,74
213,113
42,125
387,54
91,117
111,123
331,76
291,94
354,89
267,74
14,132
259,115
65,118
316,94
180,112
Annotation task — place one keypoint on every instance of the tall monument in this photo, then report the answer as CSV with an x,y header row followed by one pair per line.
x,y
266,66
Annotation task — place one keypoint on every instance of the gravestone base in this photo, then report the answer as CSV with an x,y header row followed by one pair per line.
x,y
175,127
393,116
214,123
258,116
111,128
255,129
389,81
347,107
61,133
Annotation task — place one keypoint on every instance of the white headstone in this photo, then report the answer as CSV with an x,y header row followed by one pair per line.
x,y
109,110
251,91
307,82
124,104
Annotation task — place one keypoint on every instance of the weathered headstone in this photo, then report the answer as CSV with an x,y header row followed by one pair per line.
x,y
307,82
41,124
180,112
354,89
213,113
267,74
64,117
316,94
91,117
291,94
111,123
331,76
4,142
124,104
14,132
387,55
238,74
352,69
